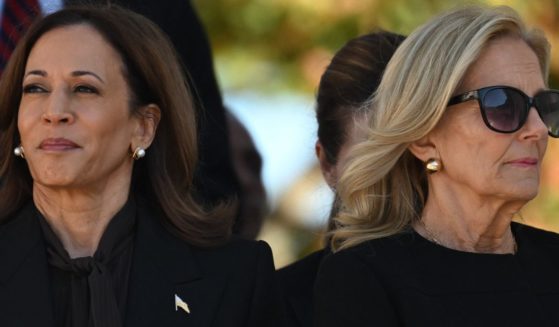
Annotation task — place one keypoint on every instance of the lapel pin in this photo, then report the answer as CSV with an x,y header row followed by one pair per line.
x,y
179,303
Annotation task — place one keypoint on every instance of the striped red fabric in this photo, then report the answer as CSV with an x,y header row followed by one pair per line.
x,y
17,15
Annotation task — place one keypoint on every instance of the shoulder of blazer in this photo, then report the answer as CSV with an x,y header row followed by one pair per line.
x,y
228,285
251,285
24,285
244,263
235,255
237,252
19,235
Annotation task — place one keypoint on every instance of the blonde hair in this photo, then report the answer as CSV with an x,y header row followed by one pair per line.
x,y
384,187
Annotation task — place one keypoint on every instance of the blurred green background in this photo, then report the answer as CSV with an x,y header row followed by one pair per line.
x,y
275,47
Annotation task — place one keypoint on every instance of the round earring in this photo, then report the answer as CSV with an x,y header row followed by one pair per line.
x,y
139,152
18,151
433,165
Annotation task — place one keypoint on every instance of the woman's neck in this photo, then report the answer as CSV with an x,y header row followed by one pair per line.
x,y
469,223
79,218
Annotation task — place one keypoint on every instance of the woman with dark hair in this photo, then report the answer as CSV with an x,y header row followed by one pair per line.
x,y
351,78
98,223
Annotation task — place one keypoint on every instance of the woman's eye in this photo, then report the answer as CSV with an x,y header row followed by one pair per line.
x,y
85,89
33,89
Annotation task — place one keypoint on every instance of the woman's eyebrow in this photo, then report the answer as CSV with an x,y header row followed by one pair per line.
x,y
75,74
36,72
85,72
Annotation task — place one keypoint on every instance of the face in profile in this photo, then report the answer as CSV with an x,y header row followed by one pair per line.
x,y
74,118
478,160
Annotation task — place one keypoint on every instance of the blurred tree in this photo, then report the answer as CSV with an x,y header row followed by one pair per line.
x,y
266,45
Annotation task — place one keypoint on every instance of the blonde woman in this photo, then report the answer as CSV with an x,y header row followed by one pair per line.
x,y
425,234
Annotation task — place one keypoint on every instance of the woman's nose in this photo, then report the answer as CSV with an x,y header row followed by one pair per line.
x,y
57,110
534,126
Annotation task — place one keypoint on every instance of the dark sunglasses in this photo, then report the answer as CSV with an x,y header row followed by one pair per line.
x,y
505,109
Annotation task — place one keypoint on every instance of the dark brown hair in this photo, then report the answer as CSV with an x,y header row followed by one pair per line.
x,y
154,75
350,79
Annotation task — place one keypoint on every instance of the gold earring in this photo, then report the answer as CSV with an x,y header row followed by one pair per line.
x,y
18,151
433,165
139,152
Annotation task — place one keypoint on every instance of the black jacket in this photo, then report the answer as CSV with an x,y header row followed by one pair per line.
x,y
406,280
232,285
297,284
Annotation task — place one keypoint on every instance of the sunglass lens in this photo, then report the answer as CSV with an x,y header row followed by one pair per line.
x,y
547,103
504,109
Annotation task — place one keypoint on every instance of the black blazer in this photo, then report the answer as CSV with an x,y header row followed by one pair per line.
x,y
297,284
232,285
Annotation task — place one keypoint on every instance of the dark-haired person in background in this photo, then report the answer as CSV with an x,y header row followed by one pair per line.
x,y
247,163
349,80
98,223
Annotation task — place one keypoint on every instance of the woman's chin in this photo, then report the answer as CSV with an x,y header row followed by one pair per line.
x,y
527,194
54,183
57,180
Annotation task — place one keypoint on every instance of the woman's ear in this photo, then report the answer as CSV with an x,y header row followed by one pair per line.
x,y
148,118
328,169
423,149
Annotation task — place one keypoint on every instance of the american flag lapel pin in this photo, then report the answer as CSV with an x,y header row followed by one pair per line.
x,y
179,303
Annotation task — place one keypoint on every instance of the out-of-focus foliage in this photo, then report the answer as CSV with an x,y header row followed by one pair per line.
x,y
273,45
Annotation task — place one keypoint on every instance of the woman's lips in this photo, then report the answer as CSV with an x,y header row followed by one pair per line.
x,y
524,162
57,144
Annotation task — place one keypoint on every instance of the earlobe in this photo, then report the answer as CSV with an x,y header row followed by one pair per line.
x,y
328,169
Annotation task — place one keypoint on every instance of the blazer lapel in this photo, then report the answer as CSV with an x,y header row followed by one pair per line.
x,y
165,270
25,298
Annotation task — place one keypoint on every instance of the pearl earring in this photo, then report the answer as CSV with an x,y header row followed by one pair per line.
x,y
18,151
433,165
139,152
